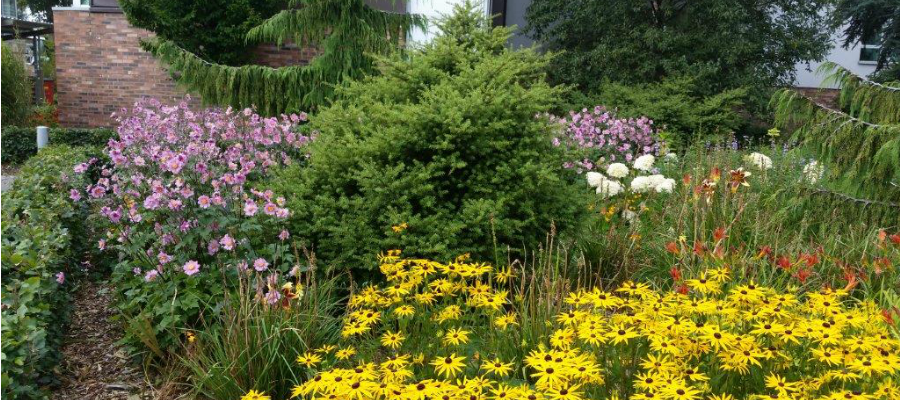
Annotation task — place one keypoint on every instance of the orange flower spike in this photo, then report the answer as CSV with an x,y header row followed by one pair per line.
x,y
715,174
719,234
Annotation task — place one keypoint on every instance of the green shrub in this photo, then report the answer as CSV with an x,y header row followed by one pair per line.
x,y
445,146
674,105
43,234
19,144
16,89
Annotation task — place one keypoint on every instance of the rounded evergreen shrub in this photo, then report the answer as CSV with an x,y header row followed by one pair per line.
x,y
16,88
442,154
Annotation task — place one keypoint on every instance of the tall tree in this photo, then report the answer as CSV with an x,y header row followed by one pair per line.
x,y
347,34
875,21
722,44
214,30
43,9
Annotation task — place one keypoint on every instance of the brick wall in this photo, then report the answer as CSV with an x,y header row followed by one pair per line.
x,y
101,68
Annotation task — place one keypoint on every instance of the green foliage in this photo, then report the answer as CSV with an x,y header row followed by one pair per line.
x,y
43,234
446,142
861,141
16,89
20,144
255,346
347,32
213,30
677,110
721,44
872,21
43,8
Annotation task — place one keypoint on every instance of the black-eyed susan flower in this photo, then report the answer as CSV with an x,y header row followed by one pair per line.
x,y
392,340
449,366
309,359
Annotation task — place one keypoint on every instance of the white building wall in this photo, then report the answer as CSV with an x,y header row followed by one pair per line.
x,y
433,9
847,58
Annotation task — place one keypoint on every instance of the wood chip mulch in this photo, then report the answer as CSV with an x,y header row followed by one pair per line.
x,y
93,366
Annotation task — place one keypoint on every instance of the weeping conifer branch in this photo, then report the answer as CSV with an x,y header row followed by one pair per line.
x,y
347,33
860,142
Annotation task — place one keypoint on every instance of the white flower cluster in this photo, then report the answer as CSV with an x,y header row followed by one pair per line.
x,y
759,160
609,186
813,171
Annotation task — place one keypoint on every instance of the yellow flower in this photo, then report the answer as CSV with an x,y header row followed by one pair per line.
x,y
455,337
497,367
392,339
400,228
309,359
449,366
345,353
254,395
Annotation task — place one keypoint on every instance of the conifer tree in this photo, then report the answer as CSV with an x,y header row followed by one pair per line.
x,y
859,141
347,33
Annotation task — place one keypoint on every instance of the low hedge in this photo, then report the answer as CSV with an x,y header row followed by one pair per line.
x,y
19,144
43,234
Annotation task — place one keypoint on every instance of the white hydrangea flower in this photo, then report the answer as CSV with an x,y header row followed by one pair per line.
x,y
813,171
630,216
617,170
671,157
666,186
759,160
609,188
644,162
594,179
641,184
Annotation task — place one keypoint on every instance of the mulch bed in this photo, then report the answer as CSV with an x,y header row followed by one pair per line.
x,y
93,366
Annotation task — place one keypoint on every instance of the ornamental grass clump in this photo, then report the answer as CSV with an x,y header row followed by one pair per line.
x,y
180,207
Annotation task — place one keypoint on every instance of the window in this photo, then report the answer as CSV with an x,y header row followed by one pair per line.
x,y
869,49
9,9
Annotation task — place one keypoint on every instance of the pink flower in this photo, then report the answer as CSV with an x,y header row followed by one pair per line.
x,y
284,235
61,277
151,275
204,201
175,204
270,208
74,194
191,267
250,208
227,242
213,247
242,266
260,264
80,168
163,258
98,191
101,244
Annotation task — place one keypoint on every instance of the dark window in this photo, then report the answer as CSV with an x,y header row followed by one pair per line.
x,y
498,12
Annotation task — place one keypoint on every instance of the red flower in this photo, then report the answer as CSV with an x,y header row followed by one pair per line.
x,y
802,274
682,289
699,248
675,273
896,238
765,251
672,247
888,316
783,262
719,234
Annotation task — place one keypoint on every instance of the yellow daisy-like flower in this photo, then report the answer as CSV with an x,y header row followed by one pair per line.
x,y
345,353
392,339
497,367
449,366
254,395
455,337
309,359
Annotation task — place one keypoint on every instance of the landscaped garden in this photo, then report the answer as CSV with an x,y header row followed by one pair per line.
x,y
455,223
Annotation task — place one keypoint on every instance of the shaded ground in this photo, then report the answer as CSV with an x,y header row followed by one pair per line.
x,y
93,366
6,182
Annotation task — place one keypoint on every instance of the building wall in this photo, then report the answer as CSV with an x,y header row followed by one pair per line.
x,y
847,58
100,68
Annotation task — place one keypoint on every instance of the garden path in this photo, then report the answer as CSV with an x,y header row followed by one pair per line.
x,y
93,366
6,182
